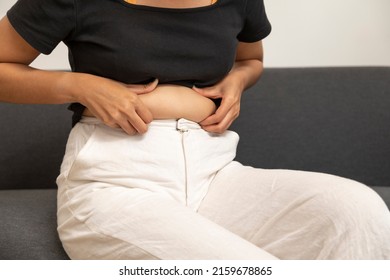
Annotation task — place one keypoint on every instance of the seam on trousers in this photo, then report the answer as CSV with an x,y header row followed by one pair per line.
x,y
182,131
77,154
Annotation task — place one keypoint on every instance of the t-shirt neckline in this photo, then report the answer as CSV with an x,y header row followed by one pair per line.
x,y
163,9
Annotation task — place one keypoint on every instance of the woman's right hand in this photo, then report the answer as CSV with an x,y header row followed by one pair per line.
x,y
115,104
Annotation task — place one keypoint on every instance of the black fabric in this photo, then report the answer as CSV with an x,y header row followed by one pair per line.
x,y
43,23
332,120
136,44
29,225
32,144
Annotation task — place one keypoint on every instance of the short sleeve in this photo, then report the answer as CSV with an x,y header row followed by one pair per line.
x,y
256,25
43,23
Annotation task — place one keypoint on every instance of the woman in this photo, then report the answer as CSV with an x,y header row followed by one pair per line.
x,y
148,171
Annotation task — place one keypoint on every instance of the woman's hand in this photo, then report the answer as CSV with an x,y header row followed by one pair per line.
x,y
116,104
246,71
230,91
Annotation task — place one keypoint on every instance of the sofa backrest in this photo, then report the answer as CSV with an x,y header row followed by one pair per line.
x,y
333,120
32,144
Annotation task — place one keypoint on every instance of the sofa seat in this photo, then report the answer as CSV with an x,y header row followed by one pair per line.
x,y
29,228
29,225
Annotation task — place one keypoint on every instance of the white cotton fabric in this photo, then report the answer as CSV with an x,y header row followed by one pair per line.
x,y
176,193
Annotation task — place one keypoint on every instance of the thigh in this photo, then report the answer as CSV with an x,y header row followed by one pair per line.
x,y
116,203
110,222
297,214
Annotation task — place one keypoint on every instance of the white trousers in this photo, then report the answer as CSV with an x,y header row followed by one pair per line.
x,y
176,193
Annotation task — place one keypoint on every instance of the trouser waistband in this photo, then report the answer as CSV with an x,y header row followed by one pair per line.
x,y
179,124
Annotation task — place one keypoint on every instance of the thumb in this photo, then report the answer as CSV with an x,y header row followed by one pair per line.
x,y
141,89
210,92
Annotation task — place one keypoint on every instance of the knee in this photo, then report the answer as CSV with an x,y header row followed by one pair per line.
x,y
355,196
350,203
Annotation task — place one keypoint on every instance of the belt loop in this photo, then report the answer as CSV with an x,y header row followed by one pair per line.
x,y
181,125
186,125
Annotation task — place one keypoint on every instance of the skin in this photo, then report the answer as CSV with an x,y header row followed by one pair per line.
x,y
174,102
130,107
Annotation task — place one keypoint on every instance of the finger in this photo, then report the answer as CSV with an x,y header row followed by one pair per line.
x,y
219,115
141,89
128,128
112,125
210,92
139,125
220,127
144,113
223,125
121,121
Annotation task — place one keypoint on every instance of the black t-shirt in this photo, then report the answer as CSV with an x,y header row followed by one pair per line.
x,y
136,44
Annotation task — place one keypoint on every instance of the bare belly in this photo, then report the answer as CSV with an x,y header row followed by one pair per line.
x,y
175,102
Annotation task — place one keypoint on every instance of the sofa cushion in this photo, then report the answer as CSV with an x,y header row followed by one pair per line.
x,y
29,225
32,144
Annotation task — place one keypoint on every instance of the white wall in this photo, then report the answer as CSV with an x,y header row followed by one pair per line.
x,y
328,33
58,59
306,33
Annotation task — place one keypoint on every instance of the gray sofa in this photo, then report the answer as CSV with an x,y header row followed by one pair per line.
x,y
333,120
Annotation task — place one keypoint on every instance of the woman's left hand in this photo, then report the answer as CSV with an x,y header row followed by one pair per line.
x,y
245,72
230,91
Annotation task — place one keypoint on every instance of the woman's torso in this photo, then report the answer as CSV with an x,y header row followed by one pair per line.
x,y
134,43
173,101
